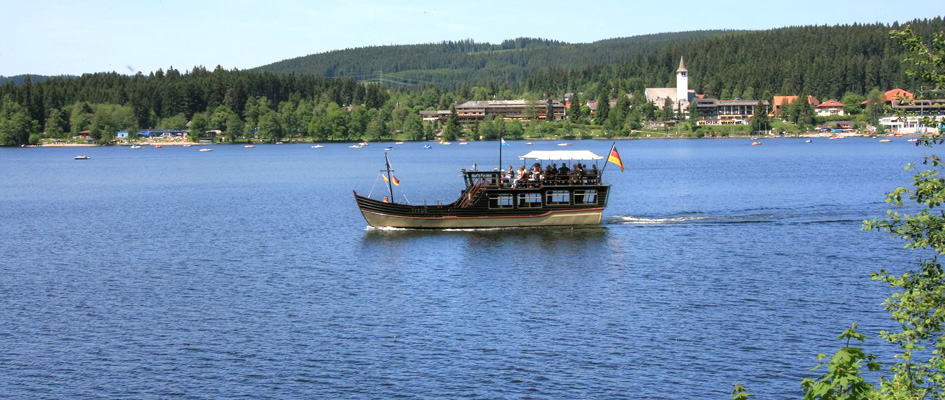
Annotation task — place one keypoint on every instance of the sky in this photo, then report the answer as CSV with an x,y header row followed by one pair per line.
x,y
69,37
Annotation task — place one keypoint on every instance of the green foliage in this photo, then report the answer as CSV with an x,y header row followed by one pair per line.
x,y
842,379
918,303
740,393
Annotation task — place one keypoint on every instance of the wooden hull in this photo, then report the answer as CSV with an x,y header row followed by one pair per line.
x,y
550,218
476,214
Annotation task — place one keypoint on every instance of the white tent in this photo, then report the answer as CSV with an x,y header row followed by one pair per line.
x,y
561,155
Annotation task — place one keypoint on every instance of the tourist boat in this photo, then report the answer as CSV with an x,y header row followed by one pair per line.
x,y
81,157
490,201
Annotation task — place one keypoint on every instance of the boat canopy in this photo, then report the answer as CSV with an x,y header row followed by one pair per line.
x,y
561,155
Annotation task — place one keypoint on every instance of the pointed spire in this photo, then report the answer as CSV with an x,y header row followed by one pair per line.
x,y
682,65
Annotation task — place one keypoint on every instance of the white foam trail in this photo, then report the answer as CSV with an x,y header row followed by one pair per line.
x,y
655,221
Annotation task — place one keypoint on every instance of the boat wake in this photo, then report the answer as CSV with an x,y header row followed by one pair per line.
x,y
803,216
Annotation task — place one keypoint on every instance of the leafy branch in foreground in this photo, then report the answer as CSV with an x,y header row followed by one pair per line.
x,y
918,304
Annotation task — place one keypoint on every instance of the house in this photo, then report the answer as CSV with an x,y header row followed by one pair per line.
x,y
910,125
829,108
783,101
726,112
837,126
434,115
473,111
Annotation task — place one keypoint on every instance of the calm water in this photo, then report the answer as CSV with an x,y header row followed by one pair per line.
x,y
249,273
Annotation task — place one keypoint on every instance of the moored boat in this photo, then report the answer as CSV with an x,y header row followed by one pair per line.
x,y
491,199
81,157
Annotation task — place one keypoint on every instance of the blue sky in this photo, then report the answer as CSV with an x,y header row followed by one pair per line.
x,y
52,37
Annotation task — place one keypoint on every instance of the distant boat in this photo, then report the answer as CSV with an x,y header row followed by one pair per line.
x,y
443,142
355,146
317,146
188,145
364,144
565,144
81,157
528,143
885,140
463,143
249,146
157,146
398,142
388,148
206,149
278,142
756,143
136,146
808,141
426,146
912,140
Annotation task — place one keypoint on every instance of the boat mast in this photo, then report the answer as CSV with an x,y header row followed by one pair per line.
x,y
500,154
390,188
613,145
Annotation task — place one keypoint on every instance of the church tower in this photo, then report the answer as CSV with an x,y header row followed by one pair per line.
x,y
682,83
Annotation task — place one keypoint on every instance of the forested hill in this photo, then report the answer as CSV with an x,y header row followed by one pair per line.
x,y
826,61
451,64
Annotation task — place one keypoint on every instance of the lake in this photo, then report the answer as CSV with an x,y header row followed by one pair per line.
x,y
250,273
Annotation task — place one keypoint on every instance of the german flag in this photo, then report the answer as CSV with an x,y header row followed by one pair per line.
x,y
614,157
393,179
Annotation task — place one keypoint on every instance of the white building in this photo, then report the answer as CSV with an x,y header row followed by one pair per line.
x,y
909,126
680,96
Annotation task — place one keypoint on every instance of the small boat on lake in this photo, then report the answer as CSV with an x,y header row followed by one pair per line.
x,y
565,144
81,157
205,149
250,146
398,142
388,148
135,146
426,146
355,146
885,140
756,143
317,146
491,200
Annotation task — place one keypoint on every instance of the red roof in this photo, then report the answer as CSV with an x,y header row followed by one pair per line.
x,y
894,94
830,103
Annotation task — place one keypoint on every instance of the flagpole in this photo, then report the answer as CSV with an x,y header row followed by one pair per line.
x,y
612,146
389,187
500,153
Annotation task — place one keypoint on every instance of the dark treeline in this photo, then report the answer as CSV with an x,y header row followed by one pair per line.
x,y
826,61
453,64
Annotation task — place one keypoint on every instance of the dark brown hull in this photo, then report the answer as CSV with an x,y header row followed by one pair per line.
x,y
488,208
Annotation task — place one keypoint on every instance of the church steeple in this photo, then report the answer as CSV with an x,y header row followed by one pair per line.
x,y
682,84
682,66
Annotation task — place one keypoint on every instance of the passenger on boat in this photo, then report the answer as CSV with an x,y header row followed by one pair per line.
x,y
519,176
386,200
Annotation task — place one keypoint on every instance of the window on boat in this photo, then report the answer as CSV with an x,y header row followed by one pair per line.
x,y
529,200
557,197
585,196
501,201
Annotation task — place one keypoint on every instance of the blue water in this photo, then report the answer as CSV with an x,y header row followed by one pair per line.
x,y
249,273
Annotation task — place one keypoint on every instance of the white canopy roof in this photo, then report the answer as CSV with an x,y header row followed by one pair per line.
x,y
561,155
